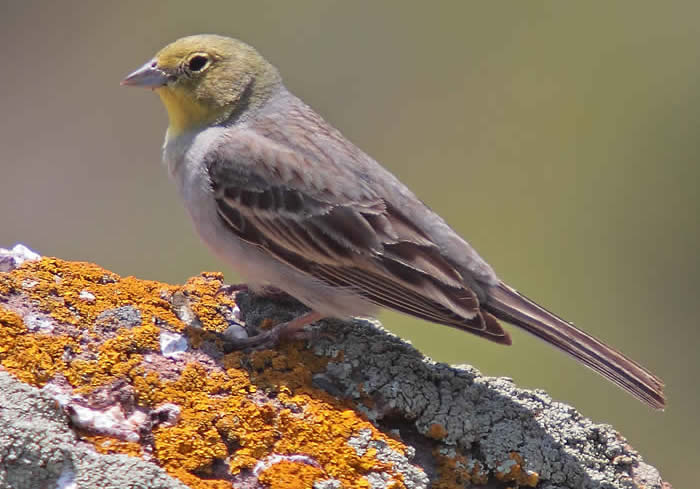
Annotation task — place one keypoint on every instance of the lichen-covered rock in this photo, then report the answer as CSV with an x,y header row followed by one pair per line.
x,y
38,448
140,379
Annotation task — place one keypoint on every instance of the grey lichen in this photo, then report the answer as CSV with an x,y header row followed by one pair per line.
x,y
487,419
39,449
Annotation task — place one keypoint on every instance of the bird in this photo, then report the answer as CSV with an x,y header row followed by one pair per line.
x,y
286,200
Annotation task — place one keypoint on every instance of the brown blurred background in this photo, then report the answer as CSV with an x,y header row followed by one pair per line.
x,y
561,139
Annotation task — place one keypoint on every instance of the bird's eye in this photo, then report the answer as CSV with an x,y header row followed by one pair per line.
x,y
197,62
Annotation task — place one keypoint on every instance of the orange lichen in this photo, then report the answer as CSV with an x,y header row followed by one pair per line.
x,y
197,482
320,429
58,286
456,471
108,445
32,357
290,475
12,323
238,409
437,431
516,473
182,448
478,474
207,303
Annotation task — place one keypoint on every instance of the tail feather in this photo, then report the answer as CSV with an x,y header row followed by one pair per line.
x,y
507,304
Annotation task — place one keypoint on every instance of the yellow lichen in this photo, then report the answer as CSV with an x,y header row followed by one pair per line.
x,y
108,445
437,431
516,473
245,408
207,303
456,471
32,357
11,323
290,475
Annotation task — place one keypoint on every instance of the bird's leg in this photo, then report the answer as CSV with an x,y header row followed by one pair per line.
x,y
270,339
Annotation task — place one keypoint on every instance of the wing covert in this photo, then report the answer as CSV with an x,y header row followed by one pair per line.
x,y
273,198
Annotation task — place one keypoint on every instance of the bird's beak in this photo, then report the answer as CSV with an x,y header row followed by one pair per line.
x,y
148,76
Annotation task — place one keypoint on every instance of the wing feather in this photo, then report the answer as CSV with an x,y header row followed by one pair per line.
x,y
354,240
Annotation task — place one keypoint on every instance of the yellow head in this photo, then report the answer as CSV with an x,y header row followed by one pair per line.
x,y
202,79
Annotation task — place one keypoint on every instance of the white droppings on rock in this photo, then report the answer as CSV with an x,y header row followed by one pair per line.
x,y
271,460
327,484
236,313
38,323
12,258
59,393
86,296
172,344
110,421
167,414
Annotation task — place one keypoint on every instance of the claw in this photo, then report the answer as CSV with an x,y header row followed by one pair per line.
x,y
271,338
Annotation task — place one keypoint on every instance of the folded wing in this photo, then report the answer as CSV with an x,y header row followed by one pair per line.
x,y
267,196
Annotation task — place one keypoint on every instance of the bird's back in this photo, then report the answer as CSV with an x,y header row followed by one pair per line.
x,y
288,121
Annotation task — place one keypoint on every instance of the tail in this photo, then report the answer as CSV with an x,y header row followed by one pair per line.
x,y
507,304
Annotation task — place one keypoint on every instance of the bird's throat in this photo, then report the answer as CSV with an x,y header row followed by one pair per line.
x,y
186,113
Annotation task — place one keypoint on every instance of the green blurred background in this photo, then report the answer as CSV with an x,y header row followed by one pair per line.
x,y
560,138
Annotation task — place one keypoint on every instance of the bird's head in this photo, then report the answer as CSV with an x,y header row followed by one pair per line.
x,y
202,79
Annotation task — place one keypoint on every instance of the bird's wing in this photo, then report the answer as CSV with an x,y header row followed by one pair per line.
x,y
289,205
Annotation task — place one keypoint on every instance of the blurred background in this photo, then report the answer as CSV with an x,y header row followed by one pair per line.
x,y
560,138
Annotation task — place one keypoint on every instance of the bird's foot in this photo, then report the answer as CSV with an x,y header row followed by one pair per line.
x,y
290,330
